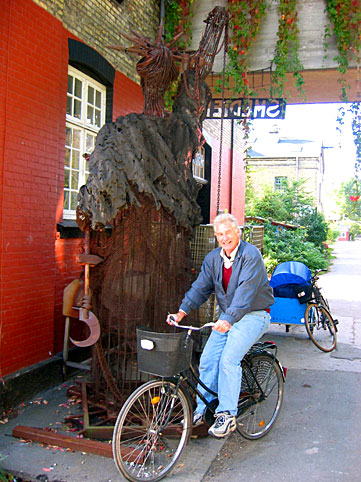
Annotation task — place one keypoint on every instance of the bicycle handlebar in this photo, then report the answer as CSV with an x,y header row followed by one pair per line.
x,y
190,327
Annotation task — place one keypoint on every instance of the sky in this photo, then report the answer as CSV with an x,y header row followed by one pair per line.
x,y
319,122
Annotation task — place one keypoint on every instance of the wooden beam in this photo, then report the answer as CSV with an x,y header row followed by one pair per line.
x,y
52,438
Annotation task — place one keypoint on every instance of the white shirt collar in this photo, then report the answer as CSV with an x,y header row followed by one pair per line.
x,y
229,261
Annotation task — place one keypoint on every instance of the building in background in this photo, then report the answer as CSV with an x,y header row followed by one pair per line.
x,y
274,160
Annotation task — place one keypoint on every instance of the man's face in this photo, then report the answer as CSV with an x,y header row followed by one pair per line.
x,y
227,236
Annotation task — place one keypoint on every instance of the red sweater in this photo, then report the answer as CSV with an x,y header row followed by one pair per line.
x,y
226,277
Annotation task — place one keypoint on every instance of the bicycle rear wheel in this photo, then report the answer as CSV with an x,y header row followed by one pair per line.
x,y
151,431
261,396
320,327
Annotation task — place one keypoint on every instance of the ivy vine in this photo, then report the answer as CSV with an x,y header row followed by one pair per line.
x,y
345,17
286,53
245,19
178,15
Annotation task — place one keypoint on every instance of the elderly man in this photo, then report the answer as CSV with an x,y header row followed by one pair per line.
x,y
236,273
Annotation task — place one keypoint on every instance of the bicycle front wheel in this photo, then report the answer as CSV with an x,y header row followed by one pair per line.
x,y
261,396
151,431
320,327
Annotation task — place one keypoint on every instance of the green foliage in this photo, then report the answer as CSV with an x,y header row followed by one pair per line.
x,y
349,207
354,230
286,54
293,206
332,234
285,245
288,205
315,225
177,19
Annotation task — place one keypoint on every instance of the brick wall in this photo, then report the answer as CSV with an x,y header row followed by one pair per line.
x,y
99,23
32,157
36,265
232,185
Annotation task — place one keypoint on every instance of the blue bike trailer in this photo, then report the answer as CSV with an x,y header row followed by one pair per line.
x,y
290,273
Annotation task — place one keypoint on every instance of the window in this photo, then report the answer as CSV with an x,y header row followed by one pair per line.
x,y
280,183
85,115
199,165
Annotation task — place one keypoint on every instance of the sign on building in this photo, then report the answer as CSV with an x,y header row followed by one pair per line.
x,y
247,108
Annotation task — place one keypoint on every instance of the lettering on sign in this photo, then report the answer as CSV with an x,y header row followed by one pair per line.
x,y
253,109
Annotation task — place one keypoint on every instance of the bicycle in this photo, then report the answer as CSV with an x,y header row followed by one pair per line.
x,y
155,422
320,326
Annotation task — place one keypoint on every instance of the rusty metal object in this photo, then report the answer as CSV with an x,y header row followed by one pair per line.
x,y
90,259
84,314
157,68
93,323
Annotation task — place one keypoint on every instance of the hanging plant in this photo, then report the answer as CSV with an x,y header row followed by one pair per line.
x,y
345,17
245,19
286,54
177,19
355,109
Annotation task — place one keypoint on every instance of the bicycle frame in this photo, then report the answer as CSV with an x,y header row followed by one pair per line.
x,y
257,349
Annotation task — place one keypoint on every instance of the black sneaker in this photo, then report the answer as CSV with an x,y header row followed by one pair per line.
x,y
225,424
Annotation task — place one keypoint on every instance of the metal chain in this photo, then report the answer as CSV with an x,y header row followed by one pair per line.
x,y
221,131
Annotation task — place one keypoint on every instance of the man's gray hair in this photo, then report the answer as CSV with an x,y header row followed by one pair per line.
x,y
223,218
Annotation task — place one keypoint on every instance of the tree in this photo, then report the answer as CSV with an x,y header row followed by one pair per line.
x,y
292,205
349,200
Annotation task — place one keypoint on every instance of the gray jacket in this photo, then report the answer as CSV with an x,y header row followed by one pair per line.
x,y
248,288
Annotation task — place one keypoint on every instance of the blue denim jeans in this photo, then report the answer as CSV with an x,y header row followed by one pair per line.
x,y
220,367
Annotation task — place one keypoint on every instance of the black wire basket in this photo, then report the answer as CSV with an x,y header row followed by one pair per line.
x,y
163,354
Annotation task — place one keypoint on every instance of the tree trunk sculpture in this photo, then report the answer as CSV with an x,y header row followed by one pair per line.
x,y
140,203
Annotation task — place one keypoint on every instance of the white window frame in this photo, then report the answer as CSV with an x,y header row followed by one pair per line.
x,y
75,167
279,183
199,166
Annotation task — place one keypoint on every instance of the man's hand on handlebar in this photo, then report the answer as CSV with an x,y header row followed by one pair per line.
x,y
175,317
222,326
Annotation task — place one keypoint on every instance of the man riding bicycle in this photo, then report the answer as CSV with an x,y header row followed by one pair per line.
x,y
236,273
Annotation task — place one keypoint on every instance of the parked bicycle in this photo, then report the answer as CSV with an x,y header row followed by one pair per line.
x,y
320,326
155,422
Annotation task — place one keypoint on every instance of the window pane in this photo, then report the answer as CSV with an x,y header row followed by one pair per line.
x,y
90,115
86,175
66,178
70,83
85,103
89,143
77,109
74,179
75,159
98,99
74,200
97,118
68,136
69,102
66,199
90,95
78,87
76,139
67,157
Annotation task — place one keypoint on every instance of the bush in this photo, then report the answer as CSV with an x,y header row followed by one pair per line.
x,y
283,245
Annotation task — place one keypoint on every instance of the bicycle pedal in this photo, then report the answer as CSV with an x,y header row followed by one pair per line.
x,y
335,322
